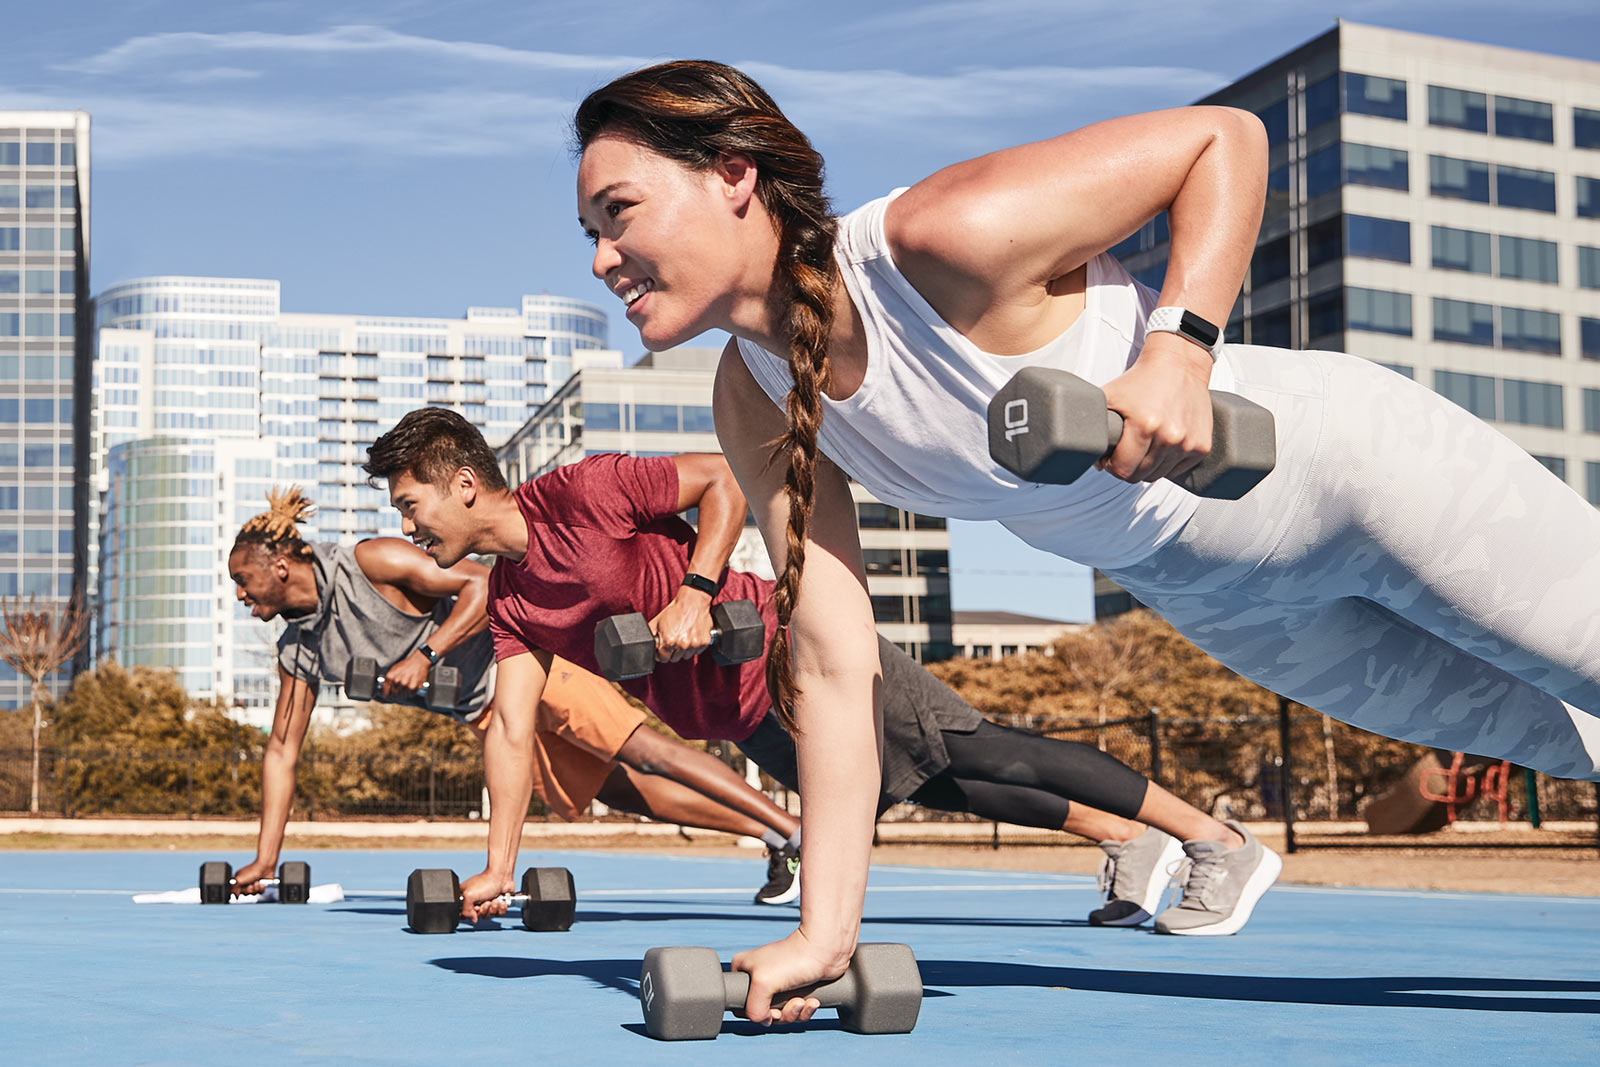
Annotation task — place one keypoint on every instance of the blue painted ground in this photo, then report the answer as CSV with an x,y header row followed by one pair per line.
x,y
1012,973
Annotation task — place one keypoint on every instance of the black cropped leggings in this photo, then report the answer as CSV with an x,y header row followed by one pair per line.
x,y
1013,776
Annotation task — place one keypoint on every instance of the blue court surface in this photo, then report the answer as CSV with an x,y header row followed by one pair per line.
x,y
1012,972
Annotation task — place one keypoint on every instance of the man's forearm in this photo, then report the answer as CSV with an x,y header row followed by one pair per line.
x,y
277,797
508,773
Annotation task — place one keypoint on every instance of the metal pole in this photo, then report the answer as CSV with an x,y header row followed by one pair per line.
x,y
1530,782
191,783
433,756
1286,774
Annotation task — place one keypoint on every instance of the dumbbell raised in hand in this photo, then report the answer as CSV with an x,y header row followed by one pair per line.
x,y
1049,426
685,992
293,882
441,691
625,648
433,899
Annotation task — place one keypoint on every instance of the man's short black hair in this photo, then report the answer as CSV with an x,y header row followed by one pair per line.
x,y
431,444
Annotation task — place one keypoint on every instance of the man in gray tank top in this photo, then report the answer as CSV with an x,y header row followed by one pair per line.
x,y
388,600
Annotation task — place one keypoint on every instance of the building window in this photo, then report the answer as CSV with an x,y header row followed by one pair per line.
x,y
1270,328
1466,250
1325,314
1458,109
1322,171
1588,198
1591,411
1458,179
655,418
1371,238
1385,168
1526,258
1527,330
1475,392
1378,311
1589,267
1275,117
1528,120
1534,190
697,419
1270,263
1585,128
1322,101
1532,403
871,515
1554,464
10,153
1591,473
40,196
1324,242
1277,193
1589,338
1401,369
10,236
888,609
1367,95
882,560
602,416
987,651
933,561
1462,322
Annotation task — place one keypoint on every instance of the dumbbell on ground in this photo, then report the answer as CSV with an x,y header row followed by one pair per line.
x,y
685,992
433,899
625,648
293,882
441,691
1049,426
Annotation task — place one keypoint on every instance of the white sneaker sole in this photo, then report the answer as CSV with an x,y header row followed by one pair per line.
x,y
1156,888
1259,882
786,896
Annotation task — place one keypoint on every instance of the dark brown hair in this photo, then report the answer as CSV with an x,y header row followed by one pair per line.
x,y
274,530
431,444
696,112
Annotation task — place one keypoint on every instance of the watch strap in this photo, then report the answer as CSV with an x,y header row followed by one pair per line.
x,y
702,583
426,650
1185,324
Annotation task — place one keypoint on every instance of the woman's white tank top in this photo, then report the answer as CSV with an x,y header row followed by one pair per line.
x,y
915,433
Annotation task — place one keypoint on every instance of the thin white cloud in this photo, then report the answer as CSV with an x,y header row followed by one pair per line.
x,y
138,52
214,74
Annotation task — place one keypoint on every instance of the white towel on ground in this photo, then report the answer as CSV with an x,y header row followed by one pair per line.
x,y
331,893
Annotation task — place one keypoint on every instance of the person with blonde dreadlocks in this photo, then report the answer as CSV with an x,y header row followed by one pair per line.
x,y
388,600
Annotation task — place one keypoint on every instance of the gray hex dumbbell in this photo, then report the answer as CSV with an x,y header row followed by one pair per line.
x,y
548,900
441,691
293,882
685,992
625,648
1049,426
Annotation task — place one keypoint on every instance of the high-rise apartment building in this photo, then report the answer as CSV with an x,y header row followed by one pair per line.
x,y
44,363
209,393
1434,206
661,406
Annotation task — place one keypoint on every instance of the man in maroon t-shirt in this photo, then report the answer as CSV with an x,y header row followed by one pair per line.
x,y
603,537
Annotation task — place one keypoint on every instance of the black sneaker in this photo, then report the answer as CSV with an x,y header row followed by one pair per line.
x,y
783,876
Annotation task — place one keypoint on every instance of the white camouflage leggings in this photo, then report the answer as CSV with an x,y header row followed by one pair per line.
x,y
1405,568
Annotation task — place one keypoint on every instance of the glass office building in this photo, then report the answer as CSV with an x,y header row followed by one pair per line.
x,y
661,406
1434,206
44,364
209,392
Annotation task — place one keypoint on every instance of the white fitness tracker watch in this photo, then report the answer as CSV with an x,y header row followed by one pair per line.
x,y
1185,324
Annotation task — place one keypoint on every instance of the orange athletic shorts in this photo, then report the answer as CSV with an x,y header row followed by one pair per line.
x,y
581,723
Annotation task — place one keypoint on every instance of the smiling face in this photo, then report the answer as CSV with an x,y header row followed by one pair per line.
x,y
260,581
668,240
436,518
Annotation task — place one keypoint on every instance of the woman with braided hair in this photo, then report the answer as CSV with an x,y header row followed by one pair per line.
x,y
1404,567
388,600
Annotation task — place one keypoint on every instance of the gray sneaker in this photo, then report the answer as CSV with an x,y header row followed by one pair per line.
x,y
1222,886
1134,877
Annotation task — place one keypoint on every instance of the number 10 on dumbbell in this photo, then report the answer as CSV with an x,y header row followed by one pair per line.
x,y
363,682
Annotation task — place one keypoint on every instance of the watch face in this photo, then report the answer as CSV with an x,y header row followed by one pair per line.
x,y
1199,329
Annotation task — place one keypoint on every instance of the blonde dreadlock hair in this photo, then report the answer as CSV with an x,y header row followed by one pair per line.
x,y
274,530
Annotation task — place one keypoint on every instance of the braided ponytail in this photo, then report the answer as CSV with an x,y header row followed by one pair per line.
x,y
274,530
695,112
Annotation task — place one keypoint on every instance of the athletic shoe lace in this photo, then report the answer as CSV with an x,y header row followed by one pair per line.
x,y
1199,880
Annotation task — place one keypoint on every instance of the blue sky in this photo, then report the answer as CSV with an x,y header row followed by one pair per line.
x,y
410,158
